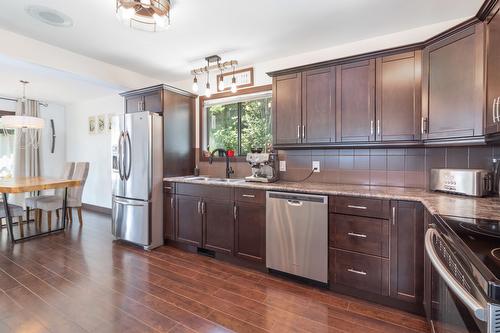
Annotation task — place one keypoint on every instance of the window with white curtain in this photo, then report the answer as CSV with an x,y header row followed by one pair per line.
x,y
6,149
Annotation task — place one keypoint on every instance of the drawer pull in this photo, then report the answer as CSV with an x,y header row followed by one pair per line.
x,y
350,270
356,207
168,187
248,195
353,234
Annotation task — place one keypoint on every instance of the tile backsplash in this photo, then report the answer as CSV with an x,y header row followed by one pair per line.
x,y
402,167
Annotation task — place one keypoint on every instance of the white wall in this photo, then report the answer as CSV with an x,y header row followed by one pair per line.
x,y
96,148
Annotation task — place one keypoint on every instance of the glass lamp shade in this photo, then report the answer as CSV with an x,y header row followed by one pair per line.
x,y
13,122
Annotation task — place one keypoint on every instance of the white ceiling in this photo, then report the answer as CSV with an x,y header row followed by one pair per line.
x,y
249,31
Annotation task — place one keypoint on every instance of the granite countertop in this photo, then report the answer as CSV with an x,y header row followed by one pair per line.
x,y
436,203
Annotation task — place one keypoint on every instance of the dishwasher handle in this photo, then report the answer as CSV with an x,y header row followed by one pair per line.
x,y
295,203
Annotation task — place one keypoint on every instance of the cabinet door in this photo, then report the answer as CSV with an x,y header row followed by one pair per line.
x,y
318,106
134,104
287,126
398,97
218,223
188,220
493,75
153,101
355,97
453,95
407,251
250,233
169,216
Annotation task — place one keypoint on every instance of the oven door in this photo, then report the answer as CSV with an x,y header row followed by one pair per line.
x,y
453,306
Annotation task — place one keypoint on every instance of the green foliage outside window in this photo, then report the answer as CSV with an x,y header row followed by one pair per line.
x,y
240,126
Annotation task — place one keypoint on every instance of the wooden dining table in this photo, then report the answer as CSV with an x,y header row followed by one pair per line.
x,y
18,185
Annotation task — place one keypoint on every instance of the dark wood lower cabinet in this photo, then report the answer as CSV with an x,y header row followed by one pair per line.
x,y
218,225
250,233
407,251
188,220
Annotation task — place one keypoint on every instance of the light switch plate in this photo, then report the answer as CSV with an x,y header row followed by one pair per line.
x,y
283,166
316,165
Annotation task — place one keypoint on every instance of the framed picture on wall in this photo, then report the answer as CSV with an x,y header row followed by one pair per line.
x,y
92,125
101,123
244,78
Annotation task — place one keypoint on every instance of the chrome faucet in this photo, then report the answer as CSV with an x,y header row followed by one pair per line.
x,y
229,169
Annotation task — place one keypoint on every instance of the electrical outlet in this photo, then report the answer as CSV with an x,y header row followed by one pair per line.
x,y
283,166
316,166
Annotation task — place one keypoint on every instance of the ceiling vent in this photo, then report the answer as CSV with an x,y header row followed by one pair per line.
x,y
49,16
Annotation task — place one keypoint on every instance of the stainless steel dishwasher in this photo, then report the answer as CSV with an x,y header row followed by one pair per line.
x,y
297,234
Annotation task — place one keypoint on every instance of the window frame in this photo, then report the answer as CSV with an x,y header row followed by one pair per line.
x,y
202,124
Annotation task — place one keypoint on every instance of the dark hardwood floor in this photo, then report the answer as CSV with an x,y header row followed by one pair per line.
x,y
82,281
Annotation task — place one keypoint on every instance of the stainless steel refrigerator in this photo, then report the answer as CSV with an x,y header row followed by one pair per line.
x,y
137,172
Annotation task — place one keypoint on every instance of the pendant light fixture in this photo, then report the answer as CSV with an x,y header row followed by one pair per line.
x,y
214,63
234,88
147,15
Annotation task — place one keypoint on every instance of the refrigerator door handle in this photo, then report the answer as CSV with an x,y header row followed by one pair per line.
x,y
120,156
129,156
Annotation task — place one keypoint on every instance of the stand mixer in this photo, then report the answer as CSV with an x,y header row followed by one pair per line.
x,y
263,167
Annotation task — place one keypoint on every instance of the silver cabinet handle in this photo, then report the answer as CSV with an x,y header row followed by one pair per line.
x,y
199,207
494,110
203,210
422,130
356,207
378,126
303,132
393,215
298,132
351,270
248,195
371,127
167,187
448,278
172,202
497,109
235,212
353,234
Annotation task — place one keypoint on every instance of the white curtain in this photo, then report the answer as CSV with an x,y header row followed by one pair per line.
x,y
26,155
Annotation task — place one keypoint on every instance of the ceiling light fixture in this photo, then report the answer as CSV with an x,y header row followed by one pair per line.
x,y
49,16
147,15
211,66
234,88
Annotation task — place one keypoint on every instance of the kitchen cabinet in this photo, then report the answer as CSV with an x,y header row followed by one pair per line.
x,y
318,106
398,96
134,103
453,85
168,211
493,74
218,225
287,114
145,101
250,217
188,220
355,101
407,251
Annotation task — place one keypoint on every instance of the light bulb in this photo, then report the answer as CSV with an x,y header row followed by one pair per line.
x,y
160,20
195,84
146,2
127,13
221,84
208,92
233,85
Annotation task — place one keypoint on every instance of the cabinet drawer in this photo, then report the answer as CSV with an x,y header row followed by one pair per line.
x,y
360,234
206,191
359,271
250,195
360,206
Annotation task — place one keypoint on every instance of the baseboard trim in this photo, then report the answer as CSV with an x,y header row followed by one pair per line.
x,y
97,209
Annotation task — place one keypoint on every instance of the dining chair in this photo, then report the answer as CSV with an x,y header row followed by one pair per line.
x,y
15,211
74,198
32,202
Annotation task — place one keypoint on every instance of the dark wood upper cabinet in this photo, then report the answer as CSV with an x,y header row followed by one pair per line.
x,y
453,85
218,225
493,75
134,104
398,90
355,101
153,101
407,251
188,220
318,106
287,114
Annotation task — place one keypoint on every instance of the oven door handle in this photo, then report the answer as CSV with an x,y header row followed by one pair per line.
x,y
473,305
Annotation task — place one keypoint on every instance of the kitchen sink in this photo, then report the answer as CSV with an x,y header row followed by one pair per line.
x,y
208,179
